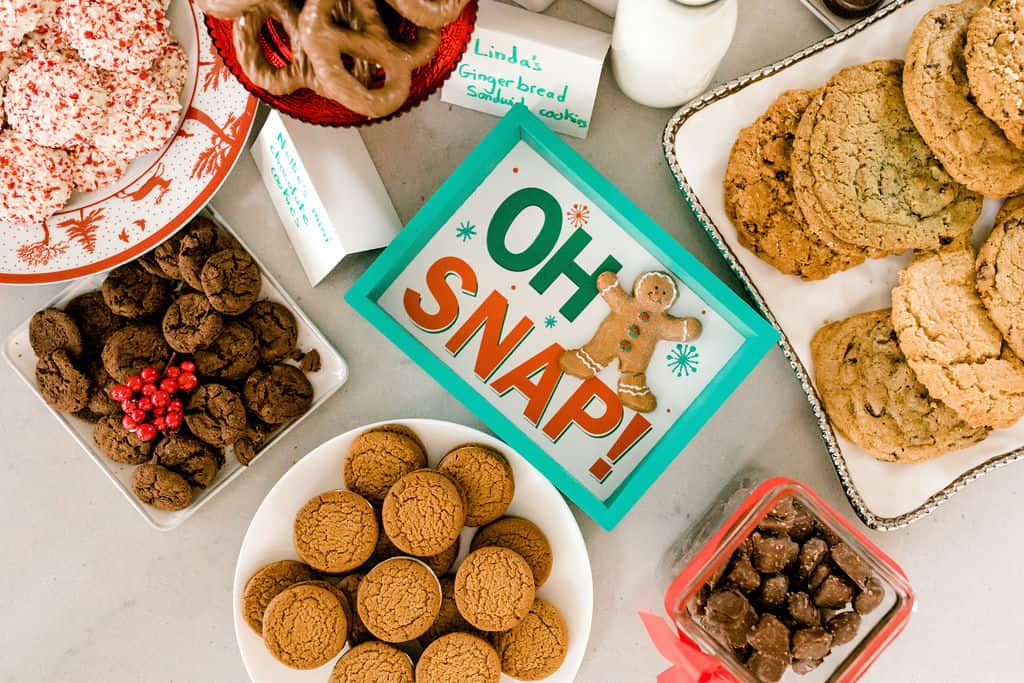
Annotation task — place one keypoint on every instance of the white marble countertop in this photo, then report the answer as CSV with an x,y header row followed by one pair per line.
x,y
89,592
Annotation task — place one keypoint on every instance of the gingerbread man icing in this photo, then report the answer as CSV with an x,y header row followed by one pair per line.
x,y
629,333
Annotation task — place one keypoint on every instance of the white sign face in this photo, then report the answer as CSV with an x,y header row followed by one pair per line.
x,y
496,296
551,66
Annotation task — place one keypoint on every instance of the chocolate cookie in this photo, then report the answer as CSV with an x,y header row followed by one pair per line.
x,y
231,356
231,280
215,414
189,457
970,146
276,331
100,401
373,663
304,627
378,459
190,323
494,588
1000,273
266,584
118,444
449,620
277,394
335,532
535,647
166,256
60,383
149,264
399,599
423,513
201,240
52,329
133,292
132,348
94,318
522,536
458,657
485,479
349,585
158,486
250,443
994,64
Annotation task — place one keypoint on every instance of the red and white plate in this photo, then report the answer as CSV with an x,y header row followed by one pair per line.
x,y
160,192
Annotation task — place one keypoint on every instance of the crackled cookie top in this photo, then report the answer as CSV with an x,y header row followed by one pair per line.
x,y
231,280
485,479
536,647
163,489
423,513
132,348
304,626
995,61
1000,271
378,459
349,585
60,383
335,532
189,457
275,328
759,196
399,599
874,398
458,658
201,240
166,256
951,342
862,172
522,536
449,620
94,318
52,329
971,147
494,588
373,663
216,415
118,444
266,583
133,292
231,356
190,323
278,394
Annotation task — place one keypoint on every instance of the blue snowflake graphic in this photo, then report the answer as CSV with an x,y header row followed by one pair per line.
x,y
550,321
683,360
466,231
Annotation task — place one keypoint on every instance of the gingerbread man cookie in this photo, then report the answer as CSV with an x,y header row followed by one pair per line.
x,y
629,333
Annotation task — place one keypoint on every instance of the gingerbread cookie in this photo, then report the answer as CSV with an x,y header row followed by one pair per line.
x,y
190,323
266,584
535,647
443,562
994,64
522,536
166,256
202,239
423,513
848,145
133,292
52,329
970,146
94,318
630,333
378,459
873,397
158,486
231,280
759,196
449,619
277,394
132,348
399,599
1000,273
216,415
494,588
118,444
485,479
189,457
340,594
349,585
373,663
304,627
231,356
951,343
276,331
459,658
335,532
60,383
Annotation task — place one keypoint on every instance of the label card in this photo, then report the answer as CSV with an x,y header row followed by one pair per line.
x,y
516,57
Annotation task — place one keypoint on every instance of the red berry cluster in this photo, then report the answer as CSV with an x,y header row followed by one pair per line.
x,y
150,402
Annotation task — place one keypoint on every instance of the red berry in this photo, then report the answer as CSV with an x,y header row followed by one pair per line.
x,y
128,423
169,384
138,415
187,366
173,420
160,423
145,432
159,410
187,381
175,406
145,403
172,371
149,375
160,398
134,382
128,406
120,392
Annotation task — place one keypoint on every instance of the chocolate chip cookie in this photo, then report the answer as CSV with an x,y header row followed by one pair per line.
x,y
52,329
335,532
231,280
276,330
994,64
370,662
485,479
201,240
190,323
423,513
459,657
874,399
522,536
118,444
132,348
494,588
277,394
398,600
94,318
216,415
266,584
1000,273
60,383
231,356
133,292
194,460
304,626
378,459
163,489
535,647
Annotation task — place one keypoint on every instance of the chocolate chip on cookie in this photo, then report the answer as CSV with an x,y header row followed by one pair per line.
x,y
132,348
201,239
522,536
118,444
94,318
399,599
278,394
133,292
275,328
423,513
370,662
305,627
485,479
494,588
535,647
231,356
378,459
335,532
459,657
60,383
52,329
163,489
266,584
216,415
231,280
190,323
197,462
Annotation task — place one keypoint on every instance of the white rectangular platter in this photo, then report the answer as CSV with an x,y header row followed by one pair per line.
x,y
331,376
697,143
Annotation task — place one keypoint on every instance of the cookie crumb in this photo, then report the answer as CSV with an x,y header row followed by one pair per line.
x,y
310,361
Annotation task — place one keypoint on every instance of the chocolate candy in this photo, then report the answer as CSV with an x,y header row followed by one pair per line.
x,y
818,576
743,575
806,666
774,590
772,554
766,668
851,563
770,636
802,610
870,598
834,592
811,554
811,643
731,614
843,627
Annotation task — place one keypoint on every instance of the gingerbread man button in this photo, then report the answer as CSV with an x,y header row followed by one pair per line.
x,y
629,333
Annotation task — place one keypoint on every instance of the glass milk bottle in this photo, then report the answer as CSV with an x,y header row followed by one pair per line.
x,y
665,52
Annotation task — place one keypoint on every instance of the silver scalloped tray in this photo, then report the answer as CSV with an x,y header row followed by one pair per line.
x,y
962,478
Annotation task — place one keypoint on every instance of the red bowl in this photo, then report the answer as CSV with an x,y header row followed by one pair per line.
x,y
310,107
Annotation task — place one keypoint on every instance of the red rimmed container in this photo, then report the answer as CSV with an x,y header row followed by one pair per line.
x,y
697,656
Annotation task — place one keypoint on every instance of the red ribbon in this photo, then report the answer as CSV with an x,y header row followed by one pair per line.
x,y
689,664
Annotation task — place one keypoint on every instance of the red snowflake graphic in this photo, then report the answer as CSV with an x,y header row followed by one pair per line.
x,y
578,215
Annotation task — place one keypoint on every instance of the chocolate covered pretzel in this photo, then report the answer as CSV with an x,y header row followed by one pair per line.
x,y
429,13
227,9
296,74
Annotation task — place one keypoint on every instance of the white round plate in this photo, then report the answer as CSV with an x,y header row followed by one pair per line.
x,y
161,191
269,538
